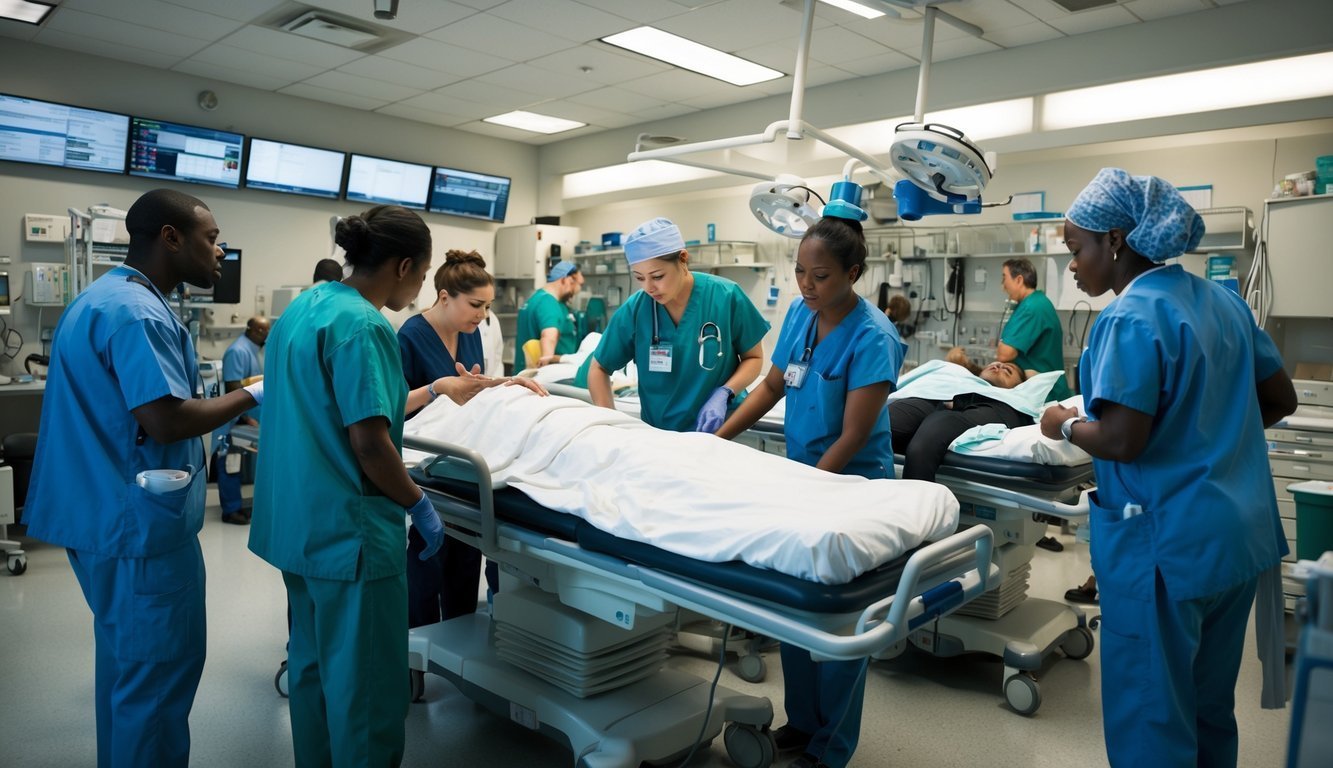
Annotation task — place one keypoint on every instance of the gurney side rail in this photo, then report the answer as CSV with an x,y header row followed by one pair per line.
x,y
998,495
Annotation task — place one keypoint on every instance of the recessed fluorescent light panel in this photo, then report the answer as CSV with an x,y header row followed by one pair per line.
x,y
979,121
856,8
693,56
615,178
25,11
531,121
1244,85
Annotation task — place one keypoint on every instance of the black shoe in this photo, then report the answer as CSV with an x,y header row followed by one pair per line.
x,y
807,760
1051,543
236,518
1084,594
788,739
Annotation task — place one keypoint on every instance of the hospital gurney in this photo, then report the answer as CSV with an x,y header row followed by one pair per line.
x,y
575,651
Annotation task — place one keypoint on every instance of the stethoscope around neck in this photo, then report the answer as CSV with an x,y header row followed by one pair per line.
x,y
709,331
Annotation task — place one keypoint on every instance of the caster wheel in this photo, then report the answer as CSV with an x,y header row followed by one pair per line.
x,y
1022,693
1095,621
418,684
1077,643
752,668
18,565
280,680
749,747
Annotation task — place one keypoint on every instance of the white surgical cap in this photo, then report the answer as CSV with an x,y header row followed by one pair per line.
x,y
653,238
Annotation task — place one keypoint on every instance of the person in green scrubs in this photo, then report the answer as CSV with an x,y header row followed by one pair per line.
x,y
547,317
331,490
696,339
1032,337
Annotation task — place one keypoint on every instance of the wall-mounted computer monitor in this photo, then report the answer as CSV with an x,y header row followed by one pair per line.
x,y
464,193
47,133
376,180
294,168
163,150
227,289
4,293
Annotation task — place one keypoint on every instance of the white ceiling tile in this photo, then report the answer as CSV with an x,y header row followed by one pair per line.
x,y
1013,37
415,16
836,45
642,11
1160,9
566,18
503,99
607,64
1094,20
363,86
422,115
266,81
250,61
581,112
110,50
449,105
17,30
401,73
283,45
442,57
529,79
874,65
616,99
987,14
779,55
663,112
899,34
159,15
960,47
480,5
1041,9
486,32
738,24
306,91
123,33
240,10
678,85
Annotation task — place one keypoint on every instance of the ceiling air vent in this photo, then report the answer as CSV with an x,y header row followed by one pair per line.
x,y
325,28
1074,6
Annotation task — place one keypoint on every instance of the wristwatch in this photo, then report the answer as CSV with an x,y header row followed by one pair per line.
x,y
1067,428
430,390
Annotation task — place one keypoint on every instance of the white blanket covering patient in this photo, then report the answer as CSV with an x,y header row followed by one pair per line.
x,y
690,493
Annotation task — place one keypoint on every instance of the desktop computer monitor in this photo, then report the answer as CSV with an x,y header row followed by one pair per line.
x,y
227,290
4,293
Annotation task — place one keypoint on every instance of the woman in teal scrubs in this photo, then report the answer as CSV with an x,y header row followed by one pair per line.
x,y
331,491
1184,519
836,362
695,338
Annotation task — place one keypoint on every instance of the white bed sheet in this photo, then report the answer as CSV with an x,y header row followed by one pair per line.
x,y
1026,444
690,493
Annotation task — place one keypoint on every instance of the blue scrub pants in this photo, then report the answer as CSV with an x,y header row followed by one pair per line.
x,y
816,695
1169,671
444,585
347,671
149,627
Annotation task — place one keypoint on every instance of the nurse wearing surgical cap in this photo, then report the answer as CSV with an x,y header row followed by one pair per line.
x,y
1179,384
695,338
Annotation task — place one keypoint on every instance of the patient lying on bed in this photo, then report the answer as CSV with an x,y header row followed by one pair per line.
x,y
939,401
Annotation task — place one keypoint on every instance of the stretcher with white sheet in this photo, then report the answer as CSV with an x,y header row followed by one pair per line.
x,y
594,570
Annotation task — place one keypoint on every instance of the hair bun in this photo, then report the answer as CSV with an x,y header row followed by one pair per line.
x,y
352,234
455,257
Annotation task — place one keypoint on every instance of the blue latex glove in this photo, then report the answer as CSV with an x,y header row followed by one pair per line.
x,y
427,522
256,391
714,411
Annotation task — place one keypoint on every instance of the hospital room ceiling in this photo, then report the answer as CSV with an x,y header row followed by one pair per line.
x,y
454,62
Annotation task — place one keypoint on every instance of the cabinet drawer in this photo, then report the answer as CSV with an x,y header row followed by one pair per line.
x,y
1289,529
1286,509
1303,469
1286,439
1312,392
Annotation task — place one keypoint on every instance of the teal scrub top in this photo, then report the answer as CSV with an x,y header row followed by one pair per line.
x,y
544,311
333,361
718,317
1210,518
864,349
1034,330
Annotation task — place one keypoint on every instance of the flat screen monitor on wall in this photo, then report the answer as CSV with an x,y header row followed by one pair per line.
x,y
47,133
294,168
227,289
463,193
163,150
376,180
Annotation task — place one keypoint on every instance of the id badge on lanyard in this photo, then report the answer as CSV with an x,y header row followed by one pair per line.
x,y
659,358
795,375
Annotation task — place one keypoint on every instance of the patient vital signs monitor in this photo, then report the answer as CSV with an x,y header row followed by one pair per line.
x,y
47,133
162,150
295,169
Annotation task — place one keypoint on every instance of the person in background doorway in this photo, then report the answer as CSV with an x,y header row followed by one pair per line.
x,y
242,364
120,401
327,271
547,318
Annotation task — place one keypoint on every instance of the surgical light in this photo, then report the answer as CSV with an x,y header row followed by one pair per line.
x,y
783,205
25,11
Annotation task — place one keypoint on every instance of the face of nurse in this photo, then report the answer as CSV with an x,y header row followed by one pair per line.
x,y
196,252
823,282
662,278
1003,375
466,311
1092,264
411,276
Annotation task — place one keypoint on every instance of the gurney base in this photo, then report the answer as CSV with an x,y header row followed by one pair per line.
x,y
655,720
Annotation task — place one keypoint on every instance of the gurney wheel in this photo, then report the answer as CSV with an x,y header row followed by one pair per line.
x,y
418,684
18,564
1022,693
280,679
749,747
752,668
1078,643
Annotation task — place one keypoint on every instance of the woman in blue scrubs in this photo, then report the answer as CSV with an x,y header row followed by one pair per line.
x,y
1184,519
836,362
331,491
695,338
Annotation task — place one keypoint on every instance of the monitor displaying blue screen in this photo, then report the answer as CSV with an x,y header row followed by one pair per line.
x,y
294,168
463,193
47,133
376,180
162,150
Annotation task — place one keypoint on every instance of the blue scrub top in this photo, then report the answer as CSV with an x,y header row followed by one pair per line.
x,y
425,358
117,346
864,349
332,361
242,360
1186,351
671,400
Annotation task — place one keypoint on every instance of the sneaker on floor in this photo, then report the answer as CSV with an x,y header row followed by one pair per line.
x,y
1051,543
1083,594
789,739
807,760
236,518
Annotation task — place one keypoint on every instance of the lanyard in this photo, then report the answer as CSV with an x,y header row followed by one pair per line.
x,y
656,332
810,338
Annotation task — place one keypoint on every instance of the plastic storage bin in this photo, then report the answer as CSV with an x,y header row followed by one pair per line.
x,y
1314,518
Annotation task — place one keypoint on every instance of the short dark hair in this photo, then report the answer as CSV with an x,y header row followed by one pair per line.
x,y
383,233
157,209
1022,269
328,269
845,240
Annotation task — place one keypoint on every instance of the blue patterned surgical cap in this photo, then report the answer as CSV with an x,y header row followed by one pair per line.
x,y
1158,222
653,238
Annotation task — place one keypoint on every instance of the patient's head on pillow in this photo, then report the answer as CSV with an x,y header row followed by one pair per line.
x,y
1003,375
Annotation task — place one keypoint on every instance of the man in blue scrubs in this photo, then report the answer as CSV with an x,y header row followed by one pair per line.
x,y
1179,384
243,363
120,399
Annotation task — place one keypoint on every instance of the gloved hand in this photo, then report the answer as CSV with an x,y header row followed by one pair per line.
x,y
714,411
256,391
427,522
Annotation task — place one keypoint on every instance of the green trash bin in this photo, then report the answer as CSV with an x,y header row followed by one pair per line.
x,y
1314,518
